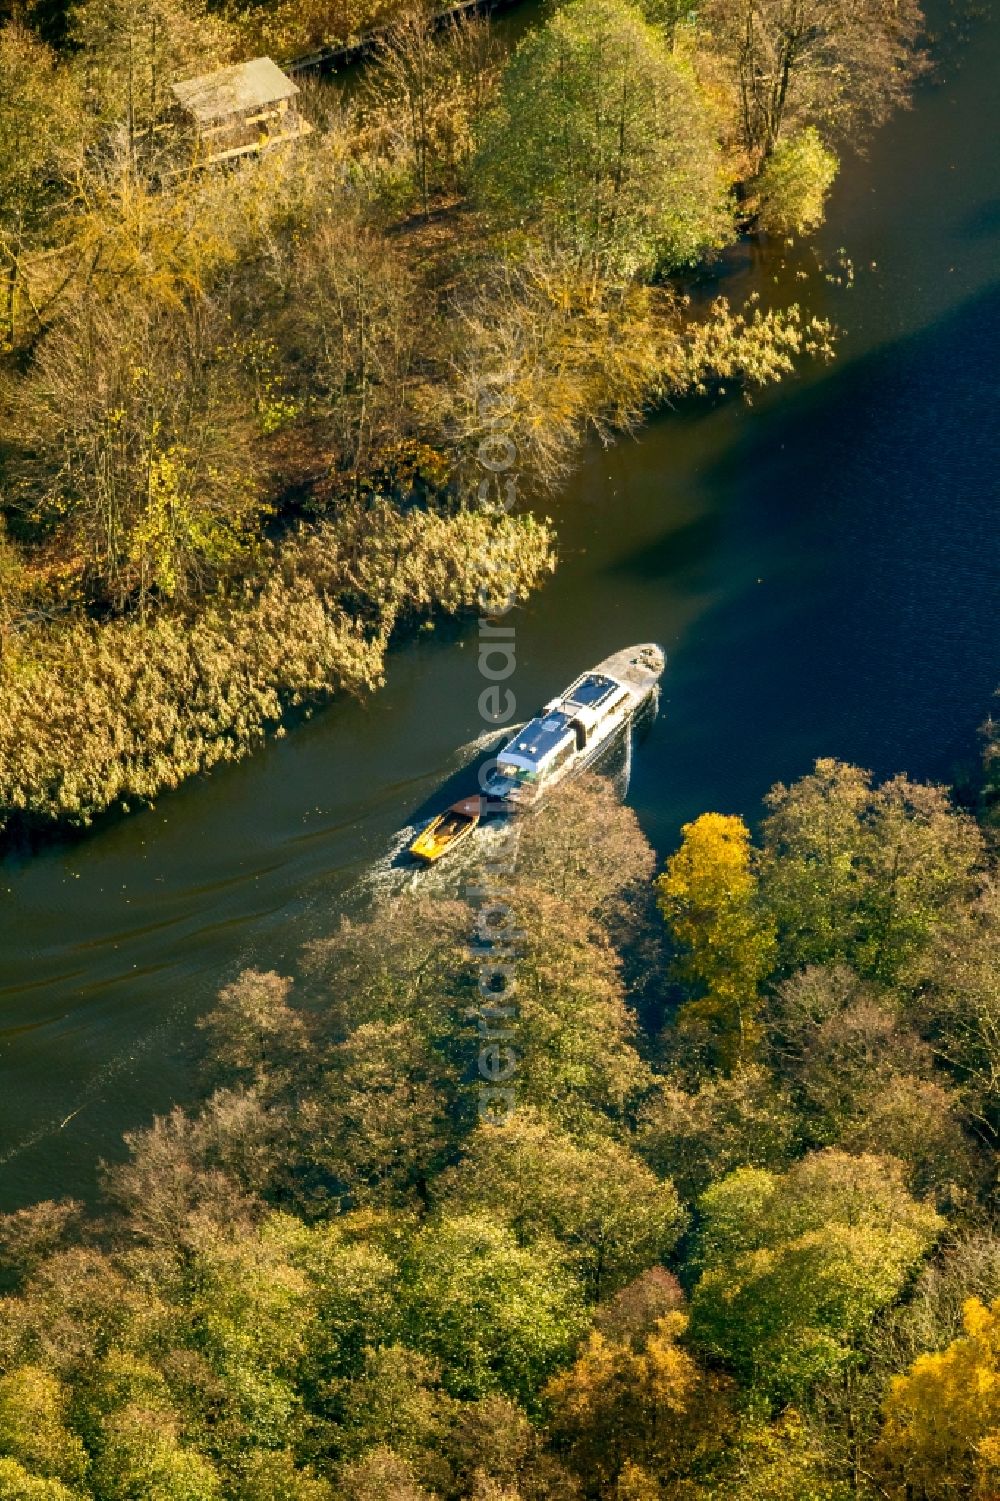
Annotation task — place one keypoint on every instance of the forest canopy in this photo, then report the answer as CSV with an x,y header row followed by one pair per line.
x,y
693,1260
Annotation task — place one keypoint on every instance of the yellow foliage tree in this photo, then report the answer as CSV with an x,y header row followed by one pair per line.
x,y
637,1411
708,895
942,1419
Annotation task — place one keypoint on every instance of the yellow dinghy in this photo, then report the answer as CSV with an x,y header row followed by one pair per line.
x,y
447,830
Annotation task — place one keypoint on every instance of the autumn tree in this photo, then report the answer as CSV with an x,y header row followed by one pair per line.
x,y
792,187
708,895
941,1436
29,1235
550,355
186,1173
794,63
495,1451
615,159
143,1453
838,1041
131,51
690,1136
637,1400
558,853
957,1005
932,1317
135,438
576,1035
35,1427
427,84
353,319
251,1028
381,1120
41,135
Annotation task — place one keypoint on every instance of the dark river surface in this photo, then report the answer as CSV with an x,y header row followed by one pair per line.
x,y
822,568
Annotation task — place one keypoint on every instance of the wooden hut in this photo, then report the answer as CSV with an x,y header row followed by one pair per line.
x,y
241,109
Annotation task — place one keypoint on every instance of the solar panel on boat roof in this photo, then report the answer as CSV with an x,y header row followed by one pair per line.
x,y
592,690
540,736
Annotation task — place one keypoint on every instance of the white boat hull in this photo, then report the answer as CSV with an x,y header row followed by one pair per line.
x,y
636,670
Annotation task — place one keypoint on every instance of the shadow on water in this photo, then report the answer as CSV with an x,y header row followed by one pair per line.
x,y
870,500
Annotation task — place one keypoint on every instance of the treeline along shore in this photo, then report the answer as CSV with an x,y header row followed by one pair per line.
x,y
732,1236
240,405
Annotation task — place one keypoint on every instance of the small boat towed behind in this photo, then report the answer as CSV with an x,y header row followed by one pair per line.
x,y
447,830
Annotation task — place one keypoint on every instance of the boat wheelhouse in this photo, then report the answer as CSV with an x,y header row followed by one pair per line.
x,y
572,730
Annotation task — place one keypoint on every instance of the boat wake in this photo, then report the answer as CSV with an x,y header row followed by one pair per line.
x,y
488,740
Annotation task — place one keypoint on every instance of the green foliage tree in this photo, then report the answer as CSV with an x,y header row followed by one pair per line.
x,y
576,1036
781,1461
860,873
498,1316
397,1402
611,1215
794,1267
792,188
615,159
248,1310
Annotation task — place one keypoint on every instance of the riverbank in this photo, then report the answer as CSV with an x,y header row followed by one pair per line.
x,y
334,326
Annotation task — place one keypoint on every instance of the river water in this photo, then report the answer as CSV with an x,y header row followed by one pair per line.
x,y
821,566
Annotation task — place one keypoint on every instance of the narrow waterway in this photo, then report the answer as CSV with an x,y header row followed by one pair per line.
x,y
822,568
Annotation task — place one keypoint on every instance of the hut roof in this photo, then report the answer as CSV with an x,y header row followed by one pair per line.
x,y
237,90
